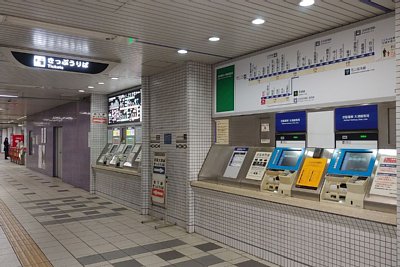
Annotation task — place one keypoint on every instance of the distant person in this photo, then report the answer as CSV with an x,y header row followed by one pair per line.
x,y
6,147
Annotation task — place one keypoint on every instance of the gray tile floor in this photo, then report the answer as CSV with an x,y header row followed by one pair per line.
x,y
74,228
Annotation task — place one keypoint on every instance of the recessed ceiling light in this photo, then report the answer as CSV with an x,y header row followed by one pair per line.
x,y
10,96
307,2
90,87
81,91
182,51
114,78
258,21
101,83
213,39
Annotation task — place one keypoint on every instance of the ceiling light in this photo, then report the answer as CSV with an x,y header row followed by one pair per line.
x,y
20,125
90,87
101,83
10,96
213,39
307,2
114,78
81,91
182,51
258,21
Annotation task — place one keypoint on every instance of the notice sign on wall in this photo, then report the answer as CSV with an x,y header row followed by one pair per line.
x,y
291,121
356,118
158,184
385,181
312,171
222,132
99,118
258,166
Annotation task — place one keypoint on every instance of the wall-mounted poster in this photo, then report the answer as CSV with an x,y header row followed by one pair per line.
x,y
125,107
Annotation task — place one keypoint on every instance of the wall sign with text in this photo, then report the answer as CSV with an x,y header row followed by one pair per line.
x,y
59,63
291,122
356,118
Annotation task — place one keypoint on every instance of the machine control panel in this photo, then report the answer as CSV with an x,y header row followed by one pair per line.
x,y
258,166
235,162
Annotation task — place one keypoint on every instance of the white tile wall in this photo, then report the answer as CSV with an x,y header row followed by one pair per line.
x,y
292,236
146,159
98,133
180,103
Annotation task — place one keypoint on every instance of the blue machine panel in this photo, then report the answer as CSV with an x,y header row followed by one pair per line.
x,y
352,162
356,118
291,122
284,158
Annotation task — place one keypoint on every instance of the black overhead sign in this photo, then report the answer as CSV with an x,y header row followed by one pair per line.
x,y
59,63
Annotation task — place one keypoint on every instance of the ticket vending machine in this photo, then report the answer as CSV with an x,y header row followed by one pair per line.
x,y
282,170
132,160
107,154
116,156
291,128
349,176
311,176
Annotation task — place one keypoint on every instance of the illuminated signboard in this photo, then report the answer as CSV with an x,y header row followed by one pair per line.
x,y
125,107
59,63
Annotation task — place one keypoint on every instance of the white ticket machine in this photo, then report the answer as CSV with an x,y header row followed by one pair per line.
x,y
116,157
107,154
382,196
348,177
282,170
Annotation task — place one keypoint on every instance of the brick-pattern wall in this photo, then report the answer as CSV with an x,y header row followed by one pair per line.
x,y
199,100
146,159
292,236
98,133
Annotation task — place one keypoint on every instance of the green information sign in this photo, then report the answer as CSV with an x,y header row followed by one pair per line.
x,y
226,89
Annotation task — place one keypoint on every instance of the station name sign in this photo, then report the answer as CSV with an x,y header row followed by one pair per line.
x,y
59,63
291,122
356,118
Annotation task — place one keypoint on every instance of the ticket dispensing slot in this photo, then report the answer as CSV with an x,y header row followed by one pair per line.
x,y
116,157
132,156
109,155
282,170
311,176
123,156
349,175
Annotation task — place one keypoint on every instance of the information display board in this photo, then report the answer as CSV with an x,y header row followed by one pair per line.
x,y
385,181
348,62
125,107
258,166
235,162
158,183
312,171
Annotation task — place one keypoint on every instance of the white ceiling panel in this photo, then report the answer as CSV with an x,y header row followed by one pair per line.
x,y
99,30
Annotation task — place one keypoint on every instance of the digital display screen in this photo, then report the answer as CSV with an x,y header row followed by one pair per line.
x,y
356,161
113,149
124,108
289,158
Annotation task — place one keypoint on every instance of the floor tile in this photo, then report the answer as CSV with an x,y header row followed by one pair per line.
x,y
129,263
207,246
170,255
251,263
91,259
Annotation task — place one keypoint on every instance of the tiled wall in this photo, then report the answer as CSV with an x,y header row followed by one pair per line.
x,y
121,188
180,103
292,236
146,159
98,133
397,33
75,122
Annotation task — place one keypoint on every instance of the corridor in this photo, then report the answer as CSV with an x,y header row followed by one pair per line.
x,y
45,222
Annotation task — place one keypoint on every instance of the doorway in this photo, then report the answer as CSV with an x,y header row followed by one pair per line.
x,y
58,154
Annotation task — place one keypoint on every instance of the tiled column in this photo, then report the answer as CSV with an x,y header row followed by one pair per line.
x,y
98,133
397,35
199,107
146,159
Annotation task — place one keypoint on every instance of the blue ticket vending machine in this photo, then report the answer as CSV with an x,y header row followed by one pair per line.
x,y
349,175
282,170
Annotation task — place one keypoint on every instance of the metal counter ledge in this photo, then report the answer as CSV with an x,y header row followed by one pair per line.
x,y
118,170
375,216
